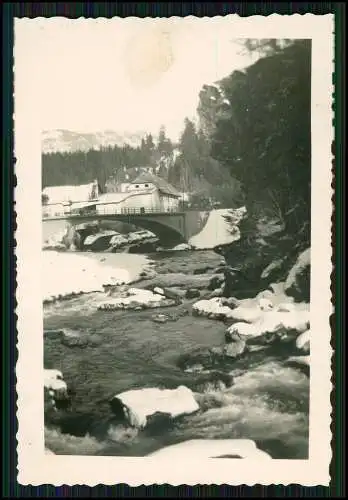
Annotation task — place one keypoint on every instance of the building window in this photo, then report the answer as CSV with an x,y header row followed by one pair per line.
x,y
137,185
146,185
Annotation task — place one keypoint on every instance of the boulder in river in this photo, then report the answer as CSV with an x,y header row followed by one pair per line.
x,y
75,338
216,282
196,360
273,322
211,358
302,341
55,388
136,298
182,247
160,318
233,349
192,293
198,449
212,308
72,338
202,270
172,316
138,405
98,242
174,293
235,345
53,380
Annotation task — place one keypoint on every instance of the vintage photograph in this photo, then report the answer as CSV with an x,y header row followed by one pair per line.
x,y
176,250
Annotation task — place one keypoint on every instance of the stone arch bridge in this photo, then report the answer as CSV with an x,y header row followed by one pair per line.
x,y
171,228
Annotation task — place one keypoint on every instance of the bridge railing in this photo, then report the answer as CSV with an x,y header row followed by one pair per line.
x,y
83,212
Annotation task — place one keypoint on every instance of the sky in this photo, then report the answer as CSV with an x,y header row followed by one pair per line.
x,y
126,75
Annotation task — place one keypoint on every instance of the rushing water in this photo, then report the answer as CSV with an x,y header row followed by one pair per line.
x,y
268,401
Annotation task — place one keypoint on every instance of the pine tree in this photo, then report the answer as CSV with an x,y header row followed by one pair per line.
x,y
164,145
149,143
189,141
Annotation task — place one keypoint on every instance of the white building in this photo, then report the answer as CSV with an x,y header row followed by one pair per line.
x,y
147,193
60,200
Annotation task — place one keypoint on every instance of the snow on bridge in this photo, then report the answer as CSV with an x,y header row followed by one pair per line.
x,y
201,229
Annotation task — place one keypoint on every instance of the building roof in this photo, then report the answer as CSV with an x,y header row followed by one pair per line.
x,y
60,194
83,204
162,185
112,198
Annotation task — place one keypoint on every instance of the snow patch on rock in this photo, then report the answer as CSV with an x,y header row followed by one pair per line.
x,y
53,380
272,322
212,308
140,404
212,448
303,341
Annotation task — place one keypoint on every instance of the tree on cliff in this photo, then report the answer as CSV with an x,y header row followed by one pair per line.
x,y
265,139
194,171
209,109
263,46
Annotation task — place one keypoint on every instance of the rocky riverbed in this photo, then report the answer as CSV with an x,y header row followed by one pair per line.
x,y
163,326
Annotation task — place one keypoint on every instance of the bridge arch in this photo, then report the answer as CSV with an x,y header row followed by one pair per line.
x,y
167,235
169,228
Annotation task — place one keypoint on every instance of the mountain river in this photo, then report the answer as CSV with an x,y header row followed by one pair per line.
x,y
268,401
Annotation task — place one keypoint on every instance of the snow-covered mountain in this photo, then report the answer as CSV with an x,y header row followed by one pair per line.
x,y
68,141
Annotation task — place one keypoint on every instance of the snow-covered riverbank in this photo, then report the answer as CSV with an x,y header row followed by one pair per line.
x,y
65,274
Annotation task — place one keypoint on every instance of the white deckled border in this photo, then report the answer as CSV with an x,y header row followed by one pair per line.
x,y
34,466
